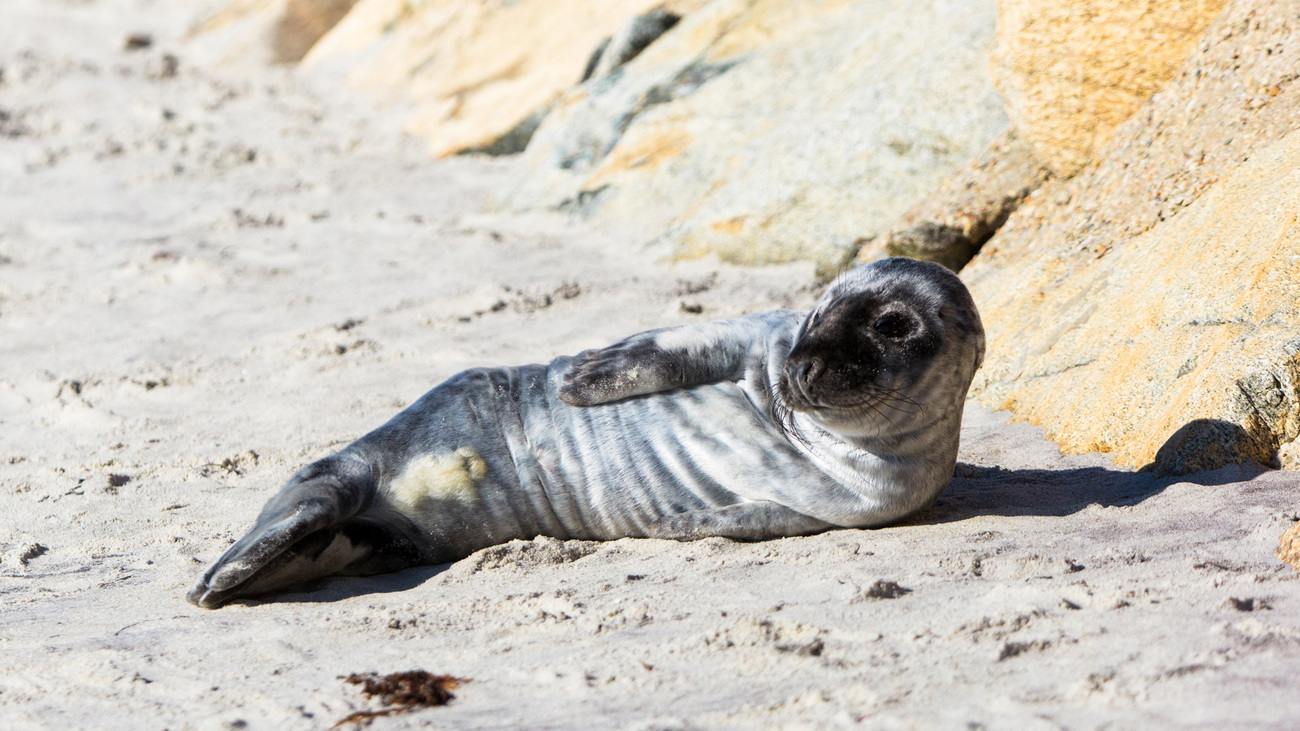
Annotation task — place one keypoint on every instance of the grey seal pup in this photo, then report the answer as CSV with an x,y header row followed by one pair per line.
x,y
777,424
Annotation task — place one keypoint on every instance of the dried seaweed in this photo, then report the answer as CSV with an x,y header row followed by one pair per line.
x,y
404,692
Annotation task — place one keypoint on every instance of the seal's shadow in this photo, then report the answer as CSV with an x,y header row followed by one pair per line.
x,y
337,588
977,490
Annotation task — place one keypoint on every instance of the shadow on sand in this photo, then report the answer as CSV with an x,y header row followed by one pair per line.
x,y
337,588
976,490
1202,452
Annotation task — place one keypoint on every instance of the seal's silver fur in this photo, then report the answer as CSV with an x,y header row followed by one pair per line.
x,y
777,424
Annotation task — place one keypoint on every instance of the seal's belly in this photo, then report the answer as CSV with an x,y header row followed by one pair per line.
x,y
612,470
494,454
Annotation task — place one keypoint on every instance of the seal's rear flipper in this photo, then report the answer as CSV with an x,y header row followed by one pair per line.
x,y
356,547
320,524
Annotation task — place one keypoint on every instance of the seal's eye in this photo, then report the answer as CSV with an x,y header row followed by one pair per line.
x,y
893,325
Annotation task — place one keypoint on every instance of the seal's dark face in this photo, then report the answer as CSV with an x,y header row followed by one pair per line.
x,y
878,345
859,346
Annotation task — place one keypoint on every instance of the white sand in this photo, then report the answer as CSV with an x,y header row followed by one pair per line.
x,y
170,307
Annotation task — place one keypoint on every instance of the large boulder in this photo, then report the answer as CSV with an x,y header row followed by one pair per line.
x,y
774,130
303,23
1288,547
239,33
949,225
1072,70
258,32
1147,307
472,71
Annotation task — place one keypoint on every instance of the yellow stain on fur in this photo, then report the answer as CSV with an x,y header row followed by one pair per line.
x,y
453,476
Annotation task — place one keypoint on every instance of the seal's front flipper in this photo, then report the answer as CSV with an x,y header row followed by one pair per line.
x,y
667,359
757,521
631,367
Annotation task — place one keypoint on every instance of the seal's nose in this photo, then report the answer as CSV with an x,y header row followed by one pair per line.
x,y
810,370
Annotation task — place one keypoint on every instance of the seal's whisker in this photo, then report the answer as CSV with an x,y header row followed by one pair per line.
x,y
896,403
783,416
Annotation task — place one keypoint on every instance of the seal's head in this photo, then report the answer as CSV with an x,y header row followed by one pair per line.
x,y
889,351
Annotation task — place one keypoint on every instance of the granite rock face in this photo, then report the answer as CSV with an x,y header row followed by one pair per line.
x,y
1072,71
240,33
1288,547
774,130
1289,455
950,225
1150,301
473,71
629,42
258,32
303,23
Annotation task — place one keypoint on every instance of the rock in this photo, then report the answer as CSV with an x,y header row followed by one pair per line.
x,y
303,23
473,71
950,225
1288,456
1288,547
258,32
1159,285
1072,70
773,130
238,33
639,33
514,140
137,42
1205,444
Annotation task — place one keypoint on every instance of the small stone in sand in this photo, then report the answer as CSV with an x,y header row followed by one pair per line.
x,y
885,590
137,42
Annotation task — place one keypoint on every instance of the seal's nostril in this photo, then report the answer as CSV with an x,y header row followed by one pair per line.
x,y
818,368
810,370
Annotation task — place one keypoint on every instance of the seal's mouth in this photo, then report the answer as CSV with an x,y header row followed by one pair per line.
x,y
871,407
797,397
799,393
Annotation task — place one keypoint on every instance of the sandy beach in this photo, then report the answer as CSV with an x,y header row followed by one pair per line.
x,y
209,277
